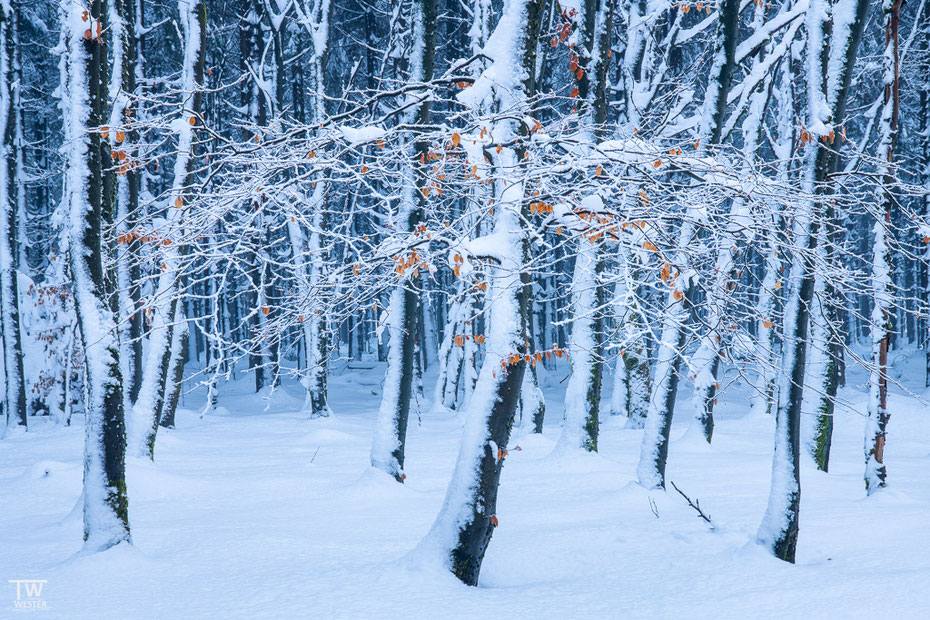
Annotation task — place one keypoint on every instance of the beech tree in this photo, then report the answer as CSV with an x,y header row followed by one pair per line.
x,y
878,414
89,184
11,211
387,451
614,199
160,380
466,522
826,107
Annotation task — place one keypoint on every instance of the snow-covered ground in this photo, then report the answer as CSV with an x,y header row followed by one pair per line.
x,y
260,512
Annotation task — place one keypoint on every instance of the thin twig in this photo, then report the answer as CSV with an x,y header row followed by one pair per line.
x,y
696,504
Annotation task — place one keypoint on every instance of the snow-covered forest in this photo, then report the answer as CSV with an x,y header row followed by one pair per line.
x,y
285,283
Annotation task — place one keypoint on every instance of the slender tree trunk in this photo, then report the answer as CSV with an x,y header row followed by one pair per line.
x,y
823,376
654,452
311,252
771,289
631,380
253,100
122,137
924,179
583,396
387,451
767,305
175,369
878,415
827,108
155,402
14,396
707,358
89,199
532,400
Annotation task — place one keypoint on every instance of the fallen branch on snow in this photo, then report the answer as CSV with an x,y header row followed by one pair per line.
x,y
696,504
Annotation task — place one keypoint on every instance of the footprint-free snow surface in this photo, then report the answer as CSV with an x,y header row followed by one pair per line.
x,y
257,511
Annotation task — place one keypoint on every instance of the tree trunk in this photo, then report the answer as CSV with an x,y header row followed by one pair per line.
x,y
468,517
654,452
827,108
13,399
123,136
387,451
583,395
532,400
175,368
707,359
823,377
160,367
89,199
878,415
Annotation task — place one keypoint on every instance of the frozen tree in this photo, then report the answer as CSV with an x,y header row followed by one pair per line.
x,y
310,250
387,451
11,211
880,328
592,20
160,380
833,35
87,206
123,135
631,379
654,453
466,521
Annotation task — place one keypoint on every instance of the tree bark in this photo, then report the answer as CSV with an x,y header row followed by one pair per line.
x,y
14,396
878,414
468,517
165,351
779,528
387,451
89,198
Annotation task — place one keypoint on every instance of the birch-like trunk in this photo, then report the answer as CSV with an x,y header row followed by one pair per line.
x,y
878,415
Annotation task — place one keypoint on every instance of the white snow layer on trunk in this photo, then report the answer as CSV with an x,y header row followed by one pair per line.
x,y
499,87
505,335
152,391
582,347
658,417
102,526
385,440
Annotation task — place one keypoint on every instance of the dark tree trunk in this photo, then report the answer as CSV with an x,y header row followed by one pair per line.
x,y
396,400
779,530
14,399
106,520
474,534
